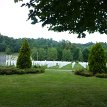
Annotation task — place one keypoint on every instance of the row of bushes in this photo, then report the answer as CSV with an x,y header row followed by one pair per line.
x,y
13,70
102,75
86,73
83,72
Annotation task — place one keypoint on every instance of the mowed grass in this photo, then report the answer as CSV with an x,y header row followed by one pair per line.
x,y
52,89
67,67
77,66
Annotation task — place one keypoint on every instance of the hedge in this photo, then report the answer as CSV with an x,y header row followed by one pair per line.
x,y
13,70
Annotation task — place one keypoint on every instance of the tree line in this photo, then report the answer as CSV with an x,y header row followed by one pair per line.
x,y
48,49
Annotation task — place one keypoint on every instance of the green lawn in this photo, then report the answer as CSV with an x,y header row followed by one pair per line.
x,y
67,67
77,66
52,89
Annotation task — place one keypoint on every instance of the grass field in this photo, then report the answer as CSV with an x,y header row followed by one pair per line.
x,y
66,67
77,66
52,89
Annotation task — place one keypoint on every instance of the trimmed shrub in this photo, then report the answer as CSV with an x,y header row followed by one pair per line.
x,y
24,60
103,75
8,70
83,72
97,60
13,70
30,71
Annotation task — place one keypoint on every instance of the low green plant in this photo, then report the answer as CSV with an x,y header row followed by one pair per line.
x,y
13,70
83,72
38,66
101,75
8,70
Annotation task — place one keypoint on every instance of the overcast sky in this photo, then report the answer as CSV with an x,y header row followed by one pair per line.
x,y
13,24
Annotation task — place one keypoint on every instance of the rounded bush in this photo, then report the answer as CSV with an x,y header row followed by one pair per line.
x,y
97,60
103,75
83,72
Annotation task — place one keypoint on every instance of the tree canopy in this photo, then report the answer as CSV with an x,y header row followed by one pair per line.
x,y
75,16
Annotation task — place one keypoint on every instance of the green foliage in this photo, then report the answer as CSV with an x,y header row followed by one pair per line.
x,y
2,47
67,67
67,55
8,51
101,75
76,16
52,89
97,60
41,54
77,66
106,55
9,70
83,72
59,53
38,66
34,53
17,1
54,67
24,60
43,45
52,54
38,54
85,53
77,54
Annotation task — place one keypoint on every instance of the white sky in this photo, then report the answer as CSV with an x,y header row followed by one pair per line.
x,y
13,24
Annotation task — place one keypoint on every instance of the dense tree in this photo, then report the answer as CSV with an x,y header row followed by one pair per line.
x,y
65,44
59,53
17,0
8,51
106,55
38,54
80,55
15,44
34,54
2,47
97,60
77,55
75,16
52,54
24,60
85,53
66,55
41,54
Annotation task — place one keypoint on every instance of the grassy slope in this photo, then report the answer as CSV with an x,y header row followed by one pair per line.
x,y
54,67
52,89
77,66
67,67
